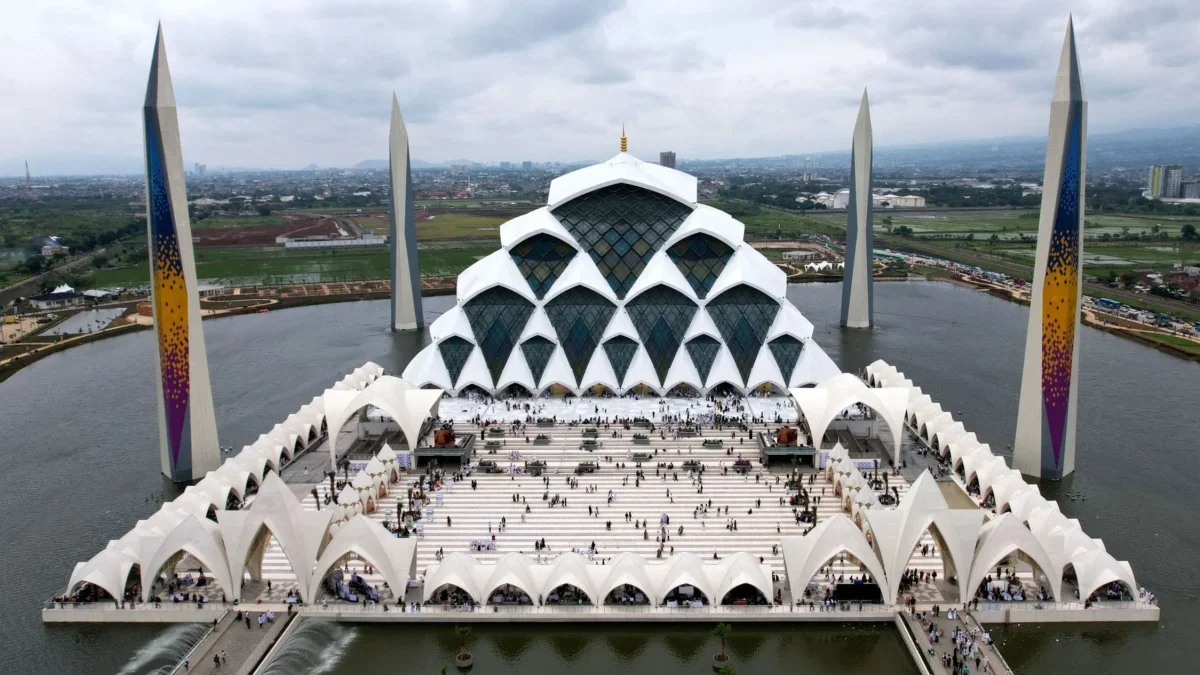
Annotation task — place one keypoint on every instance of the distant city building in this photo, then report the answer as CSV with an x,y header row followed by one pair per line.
x,y
1165,181
527,165
1190,189
505,165
325,241
199,169
1154,182
1172,179
667,159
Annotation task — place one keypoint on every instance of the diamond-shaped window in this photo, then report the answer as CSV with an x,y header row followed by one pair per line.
x,y
579,317
621,227
703,350
743,315
497,318
542,260
620,350
455,351
786,350
538,351
661,316
700,258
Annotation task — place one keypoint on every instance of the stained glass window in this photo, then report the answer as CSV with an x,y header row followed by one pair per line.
x,y
497,318
743,315
621,227
700,258
786,350
579,317
620,350
661,316
455,352
538,351
703,350
542,259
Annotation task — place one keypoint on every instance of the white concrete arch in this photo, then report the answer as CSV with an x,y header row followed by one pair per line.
x,y
743,569
512,569
804,556
628,569
1002,537
198,537
687,569
573,569
392,557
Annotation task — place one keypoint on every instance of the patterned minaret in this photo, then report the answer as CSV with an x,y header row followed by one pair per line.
x,y
1045,440
858,296
406,273
187,427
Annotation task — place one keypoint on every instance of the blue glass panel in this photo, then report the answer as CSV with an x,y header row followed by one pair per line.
x,y
703,350
542,260
621,227
661,316
700,258
455,352
497,318
620,350
579,317
743,315
786,350
538,351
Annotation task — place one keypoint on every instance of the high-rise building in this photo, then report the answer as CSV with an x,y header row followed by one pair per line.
x,y
527,165
407,313
667,159
1154,182
505,165
858,294
1046,416
1190,189
1172,179
187,425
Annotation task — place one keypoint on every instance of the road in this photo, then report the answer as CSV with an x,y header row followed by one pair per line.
x,y
27,287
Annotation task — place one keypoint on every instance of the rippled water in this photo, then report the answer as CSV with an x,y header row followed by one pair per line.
x,y
79,456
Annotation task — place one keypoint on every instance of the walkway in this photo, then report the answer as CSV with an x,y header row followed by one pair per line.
x,y
242,647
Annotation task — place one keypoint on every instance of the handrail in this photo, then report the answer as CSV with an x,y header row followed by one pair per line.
x,y
187,657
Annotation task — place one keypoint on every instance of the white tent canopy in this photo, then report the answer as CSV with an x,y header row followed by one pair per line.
x,y
821,404
393,557
1000,538
804,556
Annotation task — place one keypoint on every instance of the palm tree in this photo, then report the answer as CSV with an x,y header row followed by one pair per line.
x,y
721,631
462,632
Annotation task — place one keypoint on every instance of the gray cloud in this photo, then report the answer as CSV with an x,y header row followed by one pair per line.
x,y
287,82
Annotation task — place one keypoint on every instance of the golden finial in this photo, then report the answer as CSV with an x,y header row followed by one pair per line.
x,y
624,141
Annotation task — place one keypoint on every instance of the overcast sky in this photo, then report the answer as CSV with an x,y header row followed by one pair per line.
x,y
283,83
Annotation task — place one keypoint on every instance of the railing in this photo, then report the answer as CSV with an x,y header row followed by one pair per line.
x,y
347,609
1110,605
192,652
109,605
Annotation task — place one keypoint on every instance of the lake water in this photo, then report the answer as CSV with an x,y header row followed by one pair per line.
x,y
79,456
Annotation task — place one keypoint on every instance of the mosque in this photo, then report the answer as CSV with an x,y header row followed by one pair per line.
x,y
622,283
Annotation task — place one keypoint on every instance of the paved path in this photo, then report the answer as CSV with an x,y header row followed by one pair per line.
x,y
242,647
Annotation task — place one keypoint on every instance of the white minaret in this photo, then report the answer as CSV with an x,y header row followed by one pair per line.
x,y
858,296
406,273
187,427
1045,440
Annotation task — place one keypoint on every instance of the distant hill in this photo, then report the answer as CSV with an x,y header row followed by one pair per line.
x,y
382,164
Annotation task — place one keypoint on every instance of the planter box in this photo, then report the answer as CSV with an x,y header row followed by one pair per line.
x,y
641,441
713,444
591,434
688,433
545,425
542,441
495,434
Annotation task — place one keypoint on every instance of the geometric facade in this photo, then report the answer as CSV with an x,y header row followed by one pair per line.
x,y
624,257
186,422
1045,440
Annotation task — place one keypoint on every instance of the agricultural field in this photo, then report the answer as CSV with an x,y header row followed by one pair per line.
x,y
236,222
257,264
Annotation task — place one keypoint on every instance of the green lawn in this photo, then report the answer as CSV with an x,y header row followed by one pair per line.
x,y
459,226
225,223
248,265
1182,343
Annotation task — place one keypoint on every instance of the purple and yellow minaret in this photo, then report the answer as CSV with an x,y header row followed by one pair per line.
x,y
1046,419
186,423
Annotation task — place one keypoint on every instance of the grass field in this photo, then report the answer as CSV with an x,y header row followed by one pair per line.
x,y
223,223
1189,346
458,226
253,264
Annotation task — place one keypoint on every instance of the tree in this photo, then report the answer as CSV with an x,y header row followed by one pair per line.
x,y
726,670
462,632
993,239
721,631
1188,232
